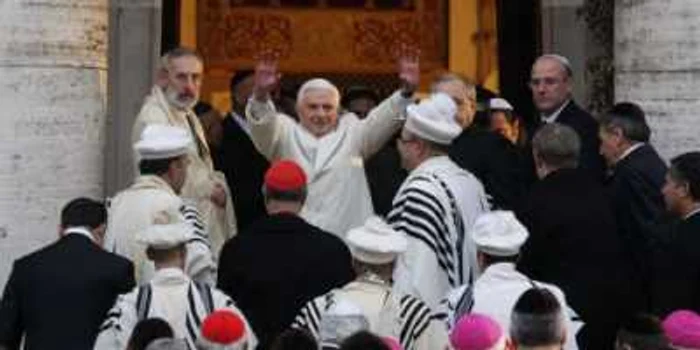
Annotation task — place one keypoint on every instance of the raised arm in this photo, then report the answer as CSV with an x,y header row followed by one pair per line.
x,y
267,127
387,118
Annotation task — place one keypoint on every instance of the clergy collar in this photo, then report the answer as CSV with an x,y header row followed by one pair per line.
x,y
553,117
79,230
692,213
629,151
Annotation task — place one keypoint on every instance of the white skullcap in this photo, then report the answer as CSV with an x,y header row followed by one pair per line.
x,y
318,84
162,142
434,119
167,231
376,242
499,233
500,104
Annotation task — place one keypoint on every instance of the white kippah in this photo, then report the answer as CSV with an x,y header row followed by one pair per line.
x,y
499,233
167,230
434,119
376,242
500,104
162,142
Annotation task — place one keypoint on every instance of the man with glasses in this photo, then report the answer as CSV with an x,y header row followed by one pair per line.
x,y
551,82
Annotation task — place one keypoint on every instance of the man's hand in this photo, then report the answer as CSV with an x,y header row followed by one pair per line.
x,y
218,196
266,76
409,71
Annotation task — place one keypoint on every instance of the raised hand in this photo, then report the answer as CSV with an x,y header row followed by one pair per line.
x,y
409,71
267,76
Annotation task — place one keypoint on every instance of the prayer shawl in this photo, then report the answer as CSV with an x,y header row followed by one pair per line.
x,y
134,209
402,317
201,178
436,207
173,297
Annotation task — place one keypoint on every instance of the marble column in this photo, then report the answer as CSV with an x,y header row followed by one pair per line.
x,y
53,94
657,64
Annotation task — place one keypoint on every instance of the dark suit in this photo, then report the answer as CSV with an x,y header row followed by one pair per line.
x,y
587,129
573,244
59,295
634,189
272,269
244,168
384,177
677,268
495,161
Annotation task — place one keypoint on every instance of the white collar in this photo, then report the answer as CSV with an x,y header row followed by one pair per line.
x,y
693,212
169,275
79,230
553,117
241,121
629,151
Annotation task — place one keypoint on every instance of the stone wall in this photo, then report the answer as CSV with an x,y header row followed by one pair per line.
x,y
657,64
53,90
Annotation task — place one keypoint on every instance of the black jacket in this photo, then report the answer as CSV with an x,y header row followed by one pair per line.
x,y
244,168
677,268
277,265
496,162
587,129
59,295
634,189
573,244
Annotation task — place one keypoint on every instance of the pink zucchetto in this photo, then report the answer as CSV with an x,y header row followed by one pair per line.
x,y
477,332
682,328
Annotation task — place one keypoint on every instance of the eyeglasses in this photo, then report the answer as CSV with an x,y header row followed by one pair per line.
x,y
534,82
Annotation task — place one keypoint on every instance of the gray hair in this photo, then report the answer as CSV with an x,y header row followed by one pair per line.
x,y
557,145
177,52
167,344
454,77
563,61
537,319
630,119
319,84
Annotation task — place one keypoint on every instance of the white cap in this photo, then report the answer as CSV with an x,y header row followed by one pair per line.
x,y
167,231
499,233
162,142
434,119
500,104
376,242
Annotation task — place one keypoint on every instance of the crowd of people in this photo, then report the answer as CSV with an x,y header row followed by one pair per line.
x,y
361,223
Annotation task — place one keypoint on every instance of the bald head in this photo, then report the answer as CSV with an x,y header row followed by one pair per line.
x,y
551,83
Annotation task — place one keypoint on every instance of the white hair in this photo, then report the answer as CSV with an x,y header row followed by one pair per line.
x,y
319,84
563,61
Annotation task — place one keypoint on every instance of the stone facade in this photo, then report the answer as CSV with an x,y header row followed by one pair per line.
x,y
657,64
53,93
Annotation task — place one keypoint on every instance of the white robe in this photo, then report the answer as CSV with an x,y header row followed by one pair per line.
x,y
495,293
175,299
338,197
201,177
440,255
134,209
402,317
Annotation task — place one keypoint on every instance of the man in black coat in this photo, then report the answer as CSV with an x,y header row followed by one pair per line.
x,y
677,258
551,82
239,160
58,296
281,262
486,154
634,185
573,240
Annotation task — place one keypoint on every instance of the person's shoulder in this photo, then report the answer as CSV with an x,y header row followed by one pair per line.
x,y
31,259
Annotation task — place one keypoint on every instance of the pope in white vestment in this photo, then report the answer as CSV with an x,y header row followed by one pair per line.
x,y
435,206
330,148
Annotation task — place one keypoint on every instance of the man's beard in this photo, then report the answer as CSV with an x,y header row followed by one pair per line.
x,y
173,97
